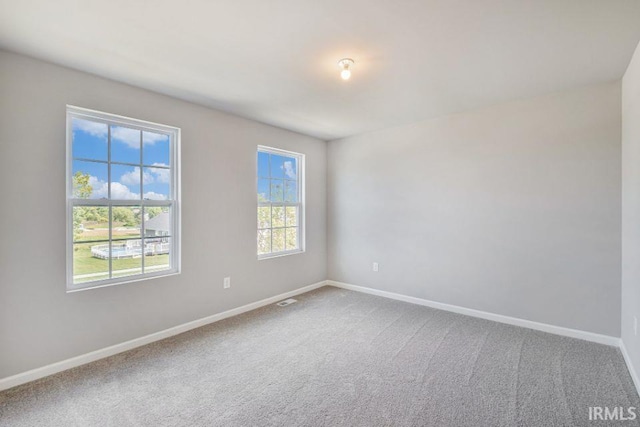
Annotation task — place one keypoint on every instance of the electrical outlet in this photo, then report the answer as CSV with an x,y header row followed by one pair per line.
x,y
635,325
375,267
227,283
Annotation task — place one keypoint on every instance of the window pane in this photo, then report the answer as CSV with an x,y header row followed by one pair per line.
x,y
157,254
278,244
290,168
155,149
291,191
126,258
263,190
264,217
125,182
264,242
90,223
89,140
125,145
156,183
90,262
277,166
113,158
157,221
263,165
292,238
277,217
292,216
277,190
89,180
126,222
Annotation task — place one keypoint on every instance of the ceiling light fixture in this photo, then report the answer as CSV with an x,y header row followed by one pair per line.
x,y
345,64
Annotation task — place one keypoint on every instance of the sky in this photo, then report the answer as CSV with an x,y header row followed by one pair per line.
x,y
277,175
277,178
90,142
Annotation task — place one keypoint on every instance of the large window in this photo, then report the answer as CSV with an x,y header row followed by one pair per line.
x,y
122,199
280,183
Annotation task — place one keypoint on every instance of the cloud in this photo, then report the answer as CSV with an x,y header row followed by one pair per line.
x,y
162,176
129,137
100,188
119,191
288,169
133,177
150,138
154,196
122,192
92,128
150,175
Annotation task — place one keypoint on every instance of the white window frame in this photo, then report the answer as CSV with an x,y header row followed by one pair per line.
x,y
173,202
300,158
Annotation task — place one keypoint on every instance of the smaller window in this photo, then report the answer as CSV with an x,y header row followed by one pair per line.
x,y
280,187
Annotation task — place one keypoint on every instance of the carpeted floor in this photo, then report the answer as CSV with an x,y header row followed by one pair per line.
x,y
337,358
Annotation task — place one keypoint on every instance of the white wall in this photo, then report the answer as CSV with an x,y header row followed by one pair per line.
x,y
39,322
631,208
512,209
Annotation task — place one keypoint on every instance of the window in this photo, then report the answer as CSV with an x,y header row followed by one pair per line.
x,y
280,183
123,210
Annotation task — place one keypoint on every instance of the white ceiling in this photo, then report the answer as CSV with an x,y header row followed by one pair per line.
x,y
275,60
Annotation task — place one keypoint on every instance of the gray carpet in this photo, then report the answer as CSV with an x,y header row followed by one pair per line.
x,y
337,358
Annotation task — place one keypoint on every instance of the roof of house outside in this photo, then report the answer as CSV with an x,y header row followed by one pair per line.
x,y
159,222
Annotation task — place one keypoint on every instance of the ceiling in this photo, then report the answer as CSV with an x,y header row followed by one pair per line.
x,y
275,61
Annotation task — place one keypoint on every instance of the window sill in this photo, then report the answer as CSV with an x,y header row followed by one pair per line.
x,y
279,254
115,282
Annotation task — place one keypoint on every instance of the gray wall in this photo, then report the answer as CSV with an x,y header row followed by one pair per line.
x,y
512,209
631,208
39,322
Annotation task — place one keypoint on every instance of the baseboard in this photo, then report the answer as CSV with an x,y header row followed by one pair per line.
x,y
558,330
54,368
34,374
630,367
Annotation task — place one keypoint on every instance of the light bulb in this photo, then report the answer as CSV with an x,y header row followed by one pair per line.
x,y
345,64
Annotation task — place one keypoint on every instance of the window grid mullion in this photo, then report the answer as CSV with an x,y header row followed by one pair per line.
x,y
142,208
109,198
122,202
119,239
270,208
106,162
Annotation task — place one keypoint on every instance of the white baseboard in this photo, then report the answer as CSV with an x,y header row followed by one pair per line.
x,y
632,371
558,330
34,374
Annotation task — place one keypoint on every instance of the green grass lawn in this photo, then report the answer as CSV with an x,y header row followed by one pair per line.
x,y
84,263
85,238
100,231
